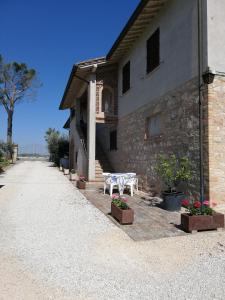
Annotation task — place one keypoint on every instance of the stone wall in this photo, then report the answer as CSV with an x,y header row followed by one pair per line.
x,y
178,111
214,145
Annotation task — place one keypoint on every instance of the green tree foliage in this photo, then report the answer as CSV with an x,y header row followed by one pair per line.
x,y
17,83
173,170
58,145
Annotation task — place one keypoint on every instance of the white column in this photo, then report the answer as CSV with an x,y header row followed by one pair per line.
x,y
91,123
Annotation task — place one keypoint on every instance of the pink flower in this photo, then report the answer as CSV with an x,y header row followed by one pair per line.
x,y
197,204
185,203
213,203
206,202
114,196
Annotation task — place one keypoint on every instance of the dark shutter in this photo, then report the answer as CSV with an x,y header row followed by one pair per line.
x,y
153,51
113,140
126,77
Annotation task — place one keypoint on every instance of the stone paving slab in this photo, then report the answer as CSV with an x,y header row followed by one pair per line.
x,y
151,221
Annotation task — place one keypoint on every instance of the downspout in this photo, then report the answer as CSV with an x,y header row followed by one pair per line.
x,y
200,104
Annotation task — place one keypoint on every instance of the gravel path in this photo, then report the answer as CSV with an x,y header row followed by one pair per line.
x,y
55,245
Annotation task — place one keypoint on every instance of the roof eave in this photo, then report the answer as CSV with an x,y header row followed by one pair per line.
x,y
84,65
61,106
67,124
126,28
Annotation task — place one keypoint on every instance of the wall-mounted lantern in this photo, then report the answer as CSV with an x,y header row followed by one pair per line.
x,y
208,76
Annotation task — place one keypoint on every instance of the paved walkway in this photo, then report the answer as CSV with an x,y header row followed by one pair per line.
x,y
55,245
150,221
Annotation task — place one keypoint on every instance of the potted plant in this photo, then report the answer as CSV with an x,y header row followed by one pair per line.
x,y
173,171
66,171
81,183
121,211
73,175
200,216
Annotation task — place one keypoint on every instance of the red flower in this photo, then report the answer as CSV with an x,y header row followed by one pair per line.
x,y
197,204
185,203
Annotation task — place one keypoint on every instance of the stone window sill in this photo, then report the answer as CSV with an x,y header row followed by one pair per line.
x,y
147,75
156,138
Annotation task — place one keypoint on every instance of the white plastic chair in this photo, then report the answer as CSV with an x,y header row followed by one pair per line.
x,y
110,183
132,182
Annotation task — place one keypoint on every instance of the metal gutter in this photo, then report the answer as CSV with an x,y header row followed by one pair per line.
x,y
200,104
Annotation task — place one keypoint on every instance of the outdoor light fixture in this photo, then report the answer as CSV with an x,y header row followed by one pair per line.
x,y
208,76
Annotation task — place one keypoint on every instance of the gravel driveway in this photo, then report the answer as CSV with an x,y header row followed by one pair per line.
x,y
55,245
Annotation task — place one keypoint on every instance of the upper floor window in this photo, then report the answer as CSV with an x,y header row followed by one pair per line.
x,y
113,140
153,51
126,77
107,101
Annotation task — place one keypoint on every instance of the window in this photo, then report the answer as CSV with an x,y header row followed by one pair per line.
x,y
154,126
113,140
126,77
153,51
107,101
72,113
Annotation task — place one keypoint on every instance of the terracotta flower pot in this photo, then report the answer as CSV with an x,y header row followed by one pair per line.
x,y
73,176
202,222
81,185
124,216
66,171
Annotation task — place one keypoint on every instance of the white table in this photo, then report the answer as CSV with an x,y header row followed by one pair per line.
x,y
119,179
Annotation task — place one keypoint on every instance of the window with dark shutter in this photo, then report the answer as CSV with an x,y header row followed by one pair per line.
x,y
113,140
153,51
126,77
72,113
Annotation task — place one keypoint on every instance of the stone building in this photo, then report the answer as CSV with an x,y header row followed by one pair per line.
x,y
142,99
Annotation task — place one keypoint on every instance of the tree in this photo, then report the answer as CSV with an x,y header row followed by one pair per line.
x,y
58,145
16,85
50,132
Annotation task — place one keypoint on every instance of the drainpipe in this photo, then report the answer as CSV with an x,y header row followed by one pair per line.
x,y
200,104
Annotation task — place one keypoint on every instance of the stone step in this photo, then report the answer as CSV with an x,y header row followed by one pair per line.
x,y
98,180
102,162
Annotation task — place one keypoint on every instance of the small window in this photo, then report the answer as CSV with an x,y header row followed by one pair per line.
x,y
126,77
113,140
153,51
154,126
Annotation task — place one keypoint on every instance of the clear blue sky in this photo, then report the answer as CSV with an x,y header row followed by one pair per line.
x,y
50,36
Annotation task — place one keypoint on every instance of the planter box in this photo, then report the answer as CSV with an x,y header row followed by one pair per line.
x,y
81,185
195,223
124,216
